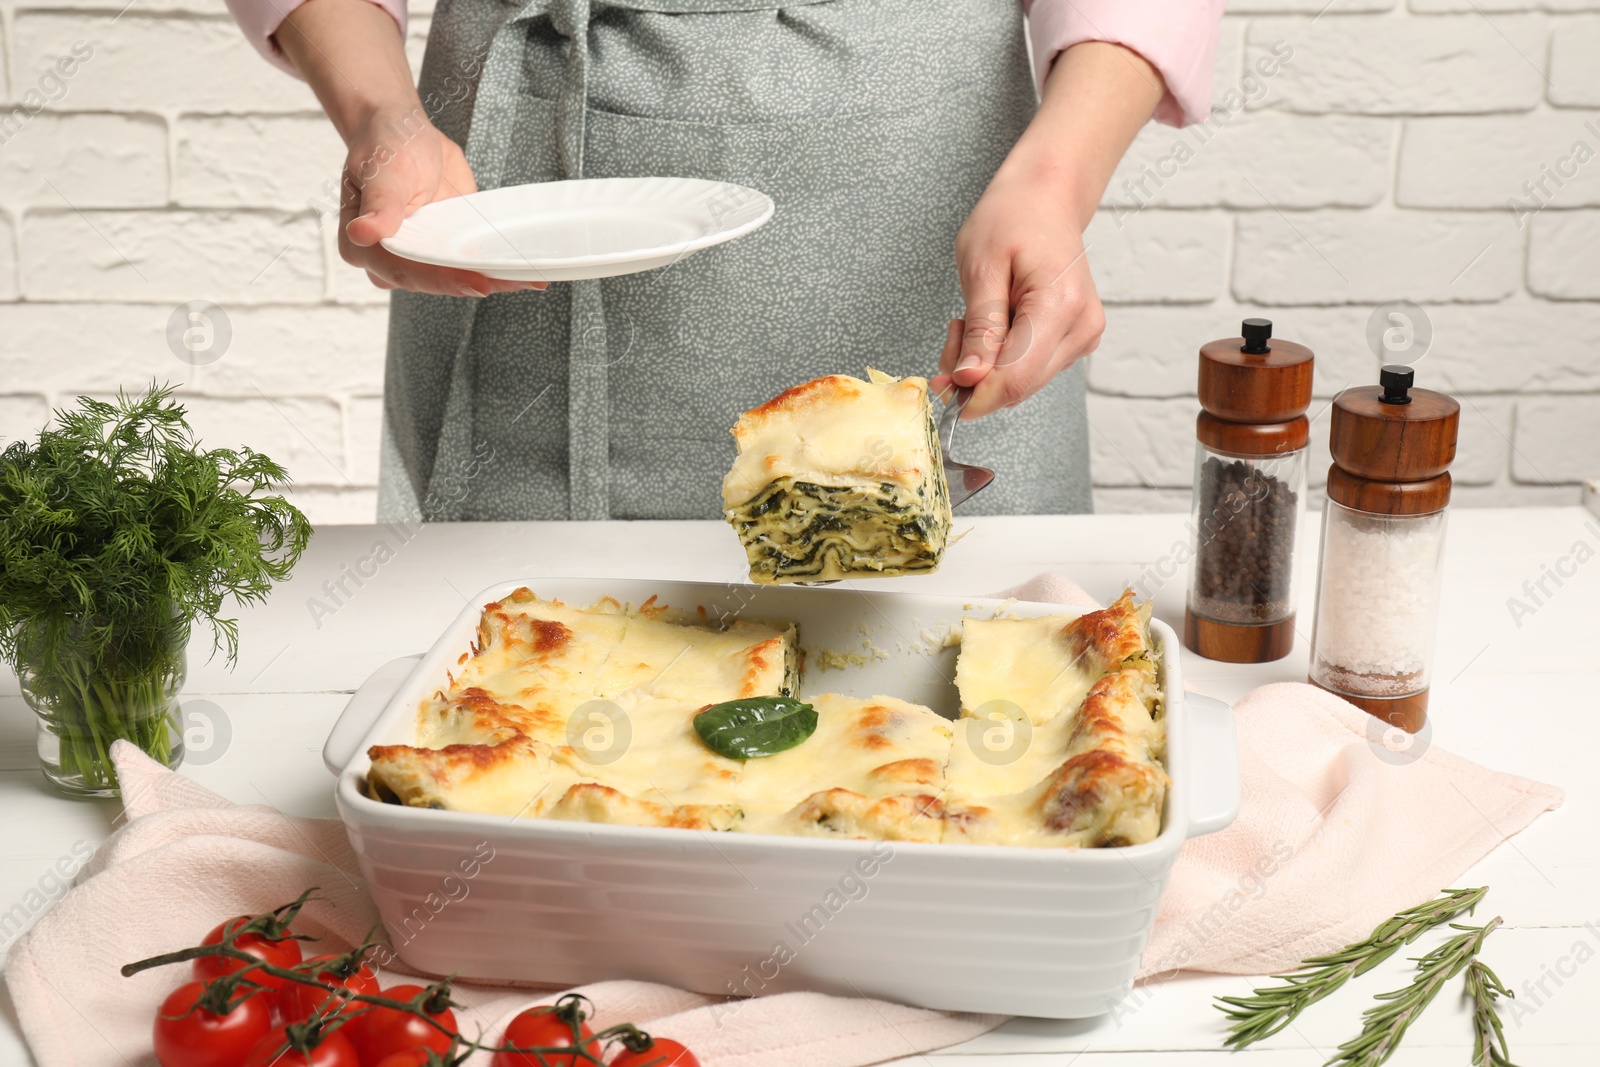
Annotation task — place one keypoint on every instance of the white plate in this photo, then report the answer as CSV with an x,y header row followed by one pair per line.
x,y
593,228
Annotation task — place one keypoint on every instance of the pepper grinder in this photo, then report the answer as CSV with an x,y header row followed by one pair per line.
x,y
1249,495
1382,544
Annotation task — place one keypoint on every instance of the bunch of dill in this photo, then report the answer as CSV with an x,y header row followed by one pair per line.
x,y
117,533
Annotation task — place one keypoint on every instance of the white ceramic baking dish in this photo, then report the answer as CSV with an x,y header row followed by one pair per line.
x,y
1052,933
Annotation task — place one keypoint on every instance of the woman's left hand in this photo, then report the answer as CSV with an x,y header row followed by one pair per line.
x,y
1032,308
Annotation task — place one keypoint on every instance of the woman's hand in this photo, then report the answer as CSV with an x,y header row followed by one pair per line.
x,y
396,164
351,53
1032,309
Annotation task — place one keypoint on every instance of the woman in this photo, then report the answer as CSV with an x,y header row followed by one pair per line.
x,y
918,182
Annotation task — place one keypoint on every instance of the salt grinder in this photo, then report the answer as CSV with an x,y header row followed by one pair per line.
x,y
1249,495
1382,543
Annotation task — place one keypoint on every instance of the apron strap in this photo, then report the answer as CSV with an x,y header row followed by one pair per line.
x,y
504,77
494,116
588,382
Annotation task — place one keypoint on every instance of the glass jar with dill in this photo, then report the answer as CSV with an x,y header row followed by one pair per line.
x,y
118,533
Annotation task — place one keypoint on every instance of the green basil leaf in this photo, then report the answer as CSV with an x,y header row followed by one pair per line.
x,y
755,726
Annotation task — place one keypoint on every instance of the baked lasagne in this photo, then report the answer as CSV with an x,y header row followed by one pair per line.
x,y
839,478
588,714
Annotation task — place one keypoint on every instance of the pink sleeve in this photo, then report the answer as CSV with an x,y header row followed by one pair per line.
x,y
260,19
1177,37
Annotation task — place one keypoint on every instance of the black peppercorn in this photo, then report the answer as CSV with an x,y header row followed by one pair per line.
x,y
1245,553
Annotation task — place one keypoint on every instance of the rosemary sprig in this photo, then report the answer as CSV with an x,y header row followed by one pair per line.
x,y
1272,1008
1488,1035
1384,1024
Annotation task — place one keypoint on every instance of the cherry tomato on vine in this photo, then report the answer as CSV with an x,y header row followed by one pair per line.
x,y
411,1057
383,1032
663,1052
199,1038
297,1002
548,1027
334,1050
285,953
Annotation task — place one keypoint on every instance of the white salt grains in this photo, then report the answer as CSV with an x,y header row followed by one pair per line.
x,y
1378,603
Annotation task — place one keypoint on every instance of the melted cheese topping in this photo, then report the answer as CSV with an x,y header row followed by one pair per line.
x,y
554,697
874,748
587,714
1046,665
1024,663
839,478
674,661
1102,783
591,802
835,430
514,777
845,813
651,752
997,754
1060,741
1093,800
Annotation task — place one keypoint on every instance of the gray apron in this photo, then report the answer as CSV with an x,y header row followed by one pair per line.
x,y
873,124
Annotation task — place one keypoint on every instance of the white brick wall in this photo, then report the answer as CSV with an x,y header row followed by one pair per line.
x,y
1386,160
1383,65
145,62
1376,165
1337,257
1564,255
1574,75
1481,161
305,435
220,159
231,257
8,264
1174,256
1558,438
86,160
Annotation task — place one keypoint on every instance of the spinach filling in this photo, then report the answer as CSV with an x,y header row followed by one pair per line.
x,y
794,529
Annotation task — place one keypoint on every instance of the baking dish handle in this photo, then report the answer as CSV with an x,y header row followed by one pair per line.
x,y
1213,765
363,709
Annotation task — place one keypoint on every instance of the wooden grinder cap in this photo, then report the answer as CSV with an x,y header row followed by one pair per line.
x,y
1392,446
1391,432
1253,394
1254,379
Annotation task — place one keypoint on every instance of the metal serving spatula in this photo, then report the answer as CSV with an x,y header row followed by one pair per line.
x,y
965,480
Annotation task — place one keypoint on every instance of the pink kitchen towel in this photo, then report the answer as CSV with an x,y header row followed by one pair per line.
x,y
1336,833
188,859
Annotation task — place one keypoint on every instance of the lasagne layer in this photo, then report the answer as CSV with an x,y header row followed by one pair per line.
x,y
840,478
798,531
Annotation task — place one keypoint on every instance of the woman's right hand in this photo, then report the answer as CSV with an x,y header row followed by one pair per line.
x,y
352,54
397,163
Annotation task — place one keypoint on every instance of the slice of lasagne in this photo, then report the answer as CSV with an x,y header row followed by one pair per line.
x,y
839,478
1102,781
1060,741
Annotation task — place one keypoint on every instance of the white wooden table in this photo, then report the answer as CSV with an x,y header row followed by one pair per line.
x,y
1519,694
